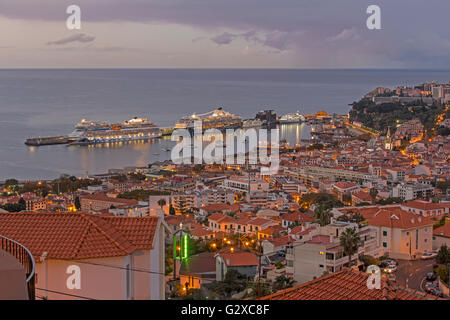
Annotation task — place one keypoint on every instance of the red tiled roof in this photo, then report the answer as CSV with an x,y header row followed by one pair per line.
x,y
398,218
347,284
238,258
443,231
103,197
78,235
345,185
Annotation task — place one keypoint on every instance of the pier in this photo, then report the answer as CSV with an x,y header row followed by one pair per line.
x,y
46,141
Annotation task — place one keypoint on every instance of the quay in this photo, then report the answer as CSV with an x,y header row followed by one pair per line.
x,y
47,141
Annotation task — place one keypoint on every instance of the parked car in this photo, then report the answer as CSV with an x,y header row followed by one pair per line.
x,y
281,253
429,287
431,276
428,255
390,268
437,293
391,261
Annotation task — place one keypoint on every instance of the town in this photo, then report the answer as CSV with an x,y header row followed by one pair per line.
x,y
371,188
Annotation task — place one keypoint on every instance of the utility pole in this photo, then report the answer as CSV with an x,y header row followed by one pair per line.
x,y
259,268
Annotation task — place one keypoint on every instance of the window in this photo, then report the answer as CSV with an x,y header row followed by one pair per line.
x,y
384,233
384,244
320,265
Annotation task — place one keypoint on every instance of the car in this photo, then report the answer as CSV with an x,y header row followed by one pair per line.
x,y
391,261
429,287
390,268
428,255
281,253
437,292
431,276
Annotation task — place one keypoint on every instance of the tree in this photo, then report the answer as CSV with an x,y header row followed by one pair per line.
x,y
350,240
22,204
282,282
443,256
77,203
162,202
443,272
11,182
323,215
373,194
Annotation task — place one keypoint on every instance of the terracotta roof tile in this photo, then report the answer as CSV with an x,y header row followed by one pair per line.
x,y
78,235
347,284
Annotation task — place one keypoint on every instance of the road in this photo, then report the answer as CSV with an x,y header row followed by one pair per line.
x,y
412,274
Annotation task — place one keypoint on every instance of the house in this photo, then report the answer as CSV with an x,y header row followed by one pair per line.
x,y
360,197
426,208
88,256
276,244
441,236
100,201
347,284
244,262
198,270
344,188
402,234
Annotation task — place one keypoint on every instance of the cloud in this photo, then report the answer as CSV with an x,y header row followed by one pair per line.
x,y
224,38
79,37
345,35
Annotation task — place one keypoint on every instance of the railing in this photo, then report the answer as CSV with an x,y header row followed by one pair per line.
x,y
24,256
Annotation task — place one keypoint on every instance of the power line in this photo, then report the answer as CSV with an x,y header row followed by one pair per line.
x,y
122,268
65,294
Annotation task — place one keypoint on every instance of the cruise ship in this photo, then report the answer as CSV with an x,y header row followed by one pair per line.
x,y
92,132
217,119
292,118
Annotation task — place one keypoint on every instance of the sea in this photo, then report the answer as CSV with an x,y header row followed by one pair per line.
x,y
49,102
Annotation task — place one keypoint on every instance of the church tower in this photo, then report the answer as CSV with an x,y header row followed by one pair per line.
x,y
388,140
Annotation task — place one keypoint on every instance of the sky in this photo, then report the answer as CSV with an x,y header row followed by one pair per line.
x,y
224,34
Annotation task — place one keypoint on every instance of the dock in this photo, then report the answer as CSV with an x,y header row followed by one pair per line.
x,y
46,141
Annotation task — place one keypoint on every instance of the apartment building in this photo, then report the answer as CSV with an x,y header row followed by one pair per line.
x,y
320,252
402,234
100,201
244,184
410,191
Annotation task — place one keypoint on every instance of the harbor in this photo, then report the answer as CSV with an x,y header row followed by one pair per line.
x,y
141,129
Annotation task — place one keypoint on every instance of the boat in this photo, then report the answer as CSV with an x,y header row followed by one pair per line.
x,y
92,132
292,118
215,119
252,123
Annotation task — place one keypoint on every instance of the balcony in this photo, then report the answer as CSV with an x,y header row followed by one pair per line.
x,y
17,268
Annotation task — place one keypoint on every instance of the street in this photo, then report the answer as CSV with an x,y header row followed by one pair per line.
x,y
412,274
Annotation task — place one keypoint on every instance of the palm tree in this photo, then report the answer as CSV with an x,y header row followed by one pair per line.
x,y
323,214
162,202
350,240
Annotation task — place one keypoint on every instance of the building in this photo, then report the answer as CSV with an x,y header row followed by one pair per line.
x,y
100,201
86,256
244,184
411,190
347,284
245,262
320,251
441,236
402,234
198,270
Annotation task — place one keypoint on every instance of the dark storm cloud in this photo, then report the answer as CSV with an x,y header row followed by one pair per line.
x,y
319,29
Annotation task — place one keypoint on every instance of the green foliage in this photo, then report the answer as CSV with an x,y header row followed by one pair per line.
x,y
390,201
350,240
369,260
11,182
443,185
194,294
443,256
326,199
171,210
282,282
323,214
77,203
381,116
279,265
443,272
142,194
233,282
